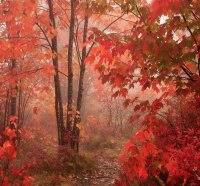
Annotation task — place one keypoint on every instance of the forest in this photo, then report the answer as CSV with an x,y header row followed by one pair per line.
x,y
99,92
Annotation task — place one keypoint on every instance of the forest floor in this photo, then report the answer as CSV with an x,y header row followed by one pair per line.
x,y
94,167
107,169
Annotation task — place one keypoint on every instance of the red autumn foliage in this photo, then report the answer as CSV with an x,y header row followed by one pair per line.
x,y
162,58
154,154
9,174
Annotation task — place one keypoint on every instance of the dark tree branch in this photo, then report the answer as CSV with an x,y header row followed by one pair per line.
x,y
62,73
190,31
44,35
187,72
103,31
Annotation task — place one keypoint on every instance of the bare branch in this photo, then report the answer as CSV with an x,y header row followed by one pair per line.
x,y
44,35
103,31
63,73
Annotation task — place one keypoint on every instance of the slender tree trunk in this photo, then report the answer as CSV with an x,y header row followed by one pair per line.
x,y
70,66
19,105
82,67
13,101
13,62
75,131
82,72
121,122
6,109
110,116
19,112
58,97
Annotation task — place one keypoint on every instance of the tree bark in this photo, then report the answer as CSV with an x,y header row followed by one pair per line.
x,y
75,131
19,105
6,109
58,96
82,72
70,66
13,101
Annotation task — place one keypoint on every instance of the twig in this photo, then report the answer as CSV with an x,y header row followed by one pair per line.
x,y
44,35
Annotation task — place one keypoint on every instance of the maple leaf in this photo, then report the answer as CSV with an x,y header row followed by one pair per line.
x,y
124,92
12,119
26,181
9,148
1,152
16,171
160,7
137,108
10,133
140,136
143,173
6,182
90,58
118,80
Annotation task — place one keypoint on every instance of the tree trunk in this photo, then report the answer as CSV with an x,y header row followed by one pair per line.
x,y
70,66
82,67
6,109
82,72
58,96
75,131
13,101
19,105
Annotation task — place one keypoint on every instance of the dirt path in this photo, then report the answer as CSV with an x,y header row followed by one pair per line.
x,y
105,174
96,167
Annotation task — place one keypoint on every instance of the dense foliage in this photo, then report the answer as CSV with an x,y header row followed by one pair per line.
x,y
160,53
